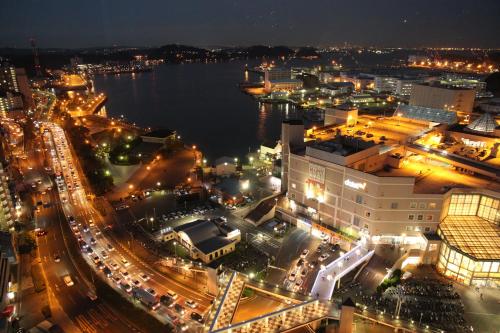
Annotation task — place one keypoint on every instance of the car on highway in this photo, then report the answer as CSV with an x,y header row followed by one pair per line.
x,y
57,258
197,317
179,308
192,304
114,266
92,295
151,291
323,257
110,247
104,255
125,286
125,274
166,300
136,283
183,326
41,233
144,277
68,281
125,262
96,259
172,294
92,241
116,279
304,253
107,271
292,276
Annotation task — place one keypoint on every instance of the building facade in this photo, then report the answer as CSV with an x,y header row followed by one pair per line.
x,y
438,96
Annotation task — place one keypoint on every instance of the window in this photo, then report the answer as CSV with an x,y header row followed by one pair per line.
x,y
463,204
409,228
368,214
429,217
355,221
293,195
489,209
417,229
359,199
427,229
413,205
365,226
411,217
394,205
422,205
432,205
420,217
294,185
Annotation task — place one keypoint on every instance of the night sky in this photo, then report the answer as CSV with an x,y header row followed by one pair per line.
x,y
405,23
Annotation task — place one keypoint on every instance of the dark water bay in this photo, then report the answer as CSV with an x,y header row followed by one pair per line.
x,y
201,101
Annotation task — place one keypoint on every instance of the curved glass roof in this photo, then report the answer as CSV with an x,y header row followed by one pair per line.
x,y
426,114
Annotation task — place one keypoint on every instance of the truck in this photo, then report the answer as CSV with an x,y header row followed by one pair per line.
x,y
146,298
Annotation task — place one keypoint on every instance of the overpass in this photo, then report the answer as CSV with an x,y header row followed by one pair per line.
x,y
331,274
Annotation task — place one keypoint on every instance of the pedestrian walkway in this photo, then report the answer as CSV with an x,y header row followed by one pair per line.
x,y
330,274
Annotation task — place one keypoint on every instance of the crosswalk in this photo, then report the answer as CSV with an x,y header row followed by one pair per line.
x,y
95,320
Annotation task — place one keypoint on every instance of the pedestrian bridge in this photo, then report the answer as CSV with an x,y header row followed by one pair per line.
x,y
299,313
331,274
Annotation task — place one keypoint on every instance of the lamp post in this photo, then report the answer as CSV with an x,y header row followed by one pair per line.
x,y
175,248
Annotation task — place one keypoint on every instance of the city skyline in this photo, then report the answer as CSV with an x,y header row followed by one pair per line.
x,y
238,23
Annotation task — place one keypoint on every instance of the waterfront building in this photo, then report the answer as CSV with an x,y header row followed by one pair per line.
x,y
225,166
439,96
385,83
280,79
390,180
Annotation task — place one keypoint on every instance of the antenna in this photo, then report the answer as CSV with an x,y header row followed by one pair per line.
x,y
38,69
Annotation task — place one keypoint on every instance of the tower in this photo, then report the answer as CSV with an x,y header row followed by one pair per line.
x,y
292,137
38,69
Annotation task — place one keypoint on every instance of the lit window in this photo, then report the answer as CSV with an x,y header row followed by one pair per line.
x,y
294,185
411,217
422,205
409,228
432,205
429,217
413,205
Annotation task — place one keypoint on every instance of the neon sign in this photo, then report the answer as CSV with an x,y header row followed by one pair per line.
x,y
354,185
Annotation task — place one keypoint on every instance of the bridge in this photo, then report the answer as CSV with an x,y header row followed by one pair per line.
x,y
331,274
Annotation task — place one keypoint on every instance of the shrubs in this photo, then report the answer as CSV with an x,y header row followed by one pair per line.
x,y
391,281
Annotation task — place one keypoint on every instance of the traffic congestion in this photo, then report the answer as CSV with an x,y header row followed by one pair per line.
x,y
110,260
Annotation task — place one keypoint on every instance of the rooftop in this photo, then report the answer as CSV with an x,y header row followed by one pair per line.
x,y
426,114
205,235
343,145
472,235
438,84
434,178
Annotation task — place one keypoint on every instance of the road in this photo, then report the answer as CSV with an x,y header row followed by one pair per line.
x,y
93,232
89,316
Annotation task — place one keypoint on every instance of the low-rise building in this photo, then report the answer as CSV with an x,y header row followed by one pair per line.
x,y
225,166
208,240
163,136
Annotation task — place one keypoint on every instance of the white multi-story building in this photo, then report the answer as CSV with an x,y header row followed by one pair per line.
x,y
6,206
383,180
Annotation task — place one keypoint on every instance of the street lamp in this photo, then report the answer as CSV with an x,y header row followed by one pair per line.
x,y
175,248
158,184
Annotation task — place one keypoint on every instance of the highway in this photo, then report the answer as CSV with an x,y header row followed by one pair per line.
x,y
91,231
89,316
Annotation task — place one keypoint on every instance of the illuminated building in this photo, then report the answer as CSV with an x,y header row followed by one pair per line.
x,y
388,190
438,96
279,79
470,232
6,206
15,80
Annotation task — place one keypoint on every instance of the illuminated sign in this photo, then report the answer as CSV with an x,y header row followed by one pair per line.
x,y
354,185
317,173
